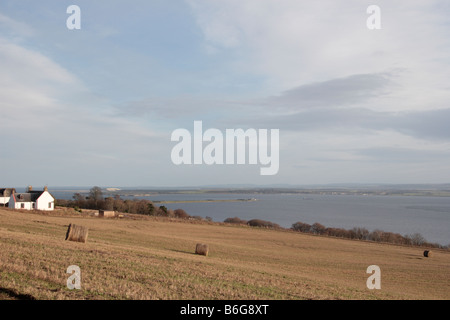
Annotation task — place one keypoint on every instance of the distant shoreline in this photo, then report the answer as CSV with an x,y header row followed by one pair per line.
x,y
203,201
396,190
301,192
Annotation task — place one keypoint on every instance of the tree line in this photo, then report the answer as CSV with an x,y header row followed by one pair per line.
x,y
415,239
96,201
359,233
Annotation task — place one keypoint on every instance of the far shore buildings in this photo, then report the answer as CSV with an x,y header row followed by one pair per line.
x,y
29,200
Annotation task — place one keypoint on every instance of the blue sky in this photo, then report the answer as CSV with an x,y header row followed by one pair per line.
x,y
97,106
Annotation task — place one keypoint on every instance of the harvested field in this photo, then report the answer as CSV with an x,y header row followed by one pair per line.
x,y
153,258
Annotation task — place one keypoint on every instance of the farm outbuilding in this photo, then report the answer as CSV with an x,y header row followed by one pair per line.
x,y
106,213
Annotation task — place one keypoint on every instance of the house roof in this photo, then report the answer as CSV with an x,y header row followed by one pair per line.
x,y
31,196
6,192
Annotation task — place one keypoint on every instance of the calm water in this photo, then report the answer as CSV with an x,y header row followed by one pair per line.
x,y
430,216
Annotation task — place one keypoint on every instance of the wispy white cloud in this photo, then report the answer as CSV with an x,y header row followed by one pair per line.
x,y
29,84
56,129
350,103
15,28
294,43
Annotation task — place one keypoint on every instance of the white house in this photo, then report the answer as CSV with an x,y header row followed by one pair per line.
x,y
5,194
32,200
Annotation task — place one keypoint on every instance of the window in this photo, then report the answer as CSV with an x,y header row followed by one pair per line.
x,y
50,205
33,205
22,206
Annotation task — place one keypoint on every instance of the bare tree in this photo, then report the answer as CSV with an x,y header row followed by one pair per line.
x,y
416,239
318,228
302,227
96,193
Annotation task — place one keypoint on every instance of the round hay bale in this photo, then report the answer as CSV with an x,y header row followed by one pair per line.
x,y
77,233
427,254
202,249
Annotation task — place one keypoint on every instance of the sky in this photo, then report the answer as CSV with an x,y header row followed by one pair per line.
x,y
98,105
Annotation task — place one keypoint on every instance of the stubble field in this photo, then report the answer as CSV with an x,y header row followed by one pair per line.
x,y
153,258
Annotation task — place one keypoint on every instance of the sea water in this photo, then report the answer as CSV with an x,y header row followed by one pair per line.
x,y
429,216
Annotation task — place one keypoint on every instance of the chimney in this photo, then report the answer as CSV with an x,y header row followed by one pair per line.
x,y
45,188
29,188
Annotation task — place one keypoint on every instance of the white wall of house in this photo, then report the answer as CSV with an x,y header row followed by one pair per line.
x,y
4,200
45,202
24,205
20,205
